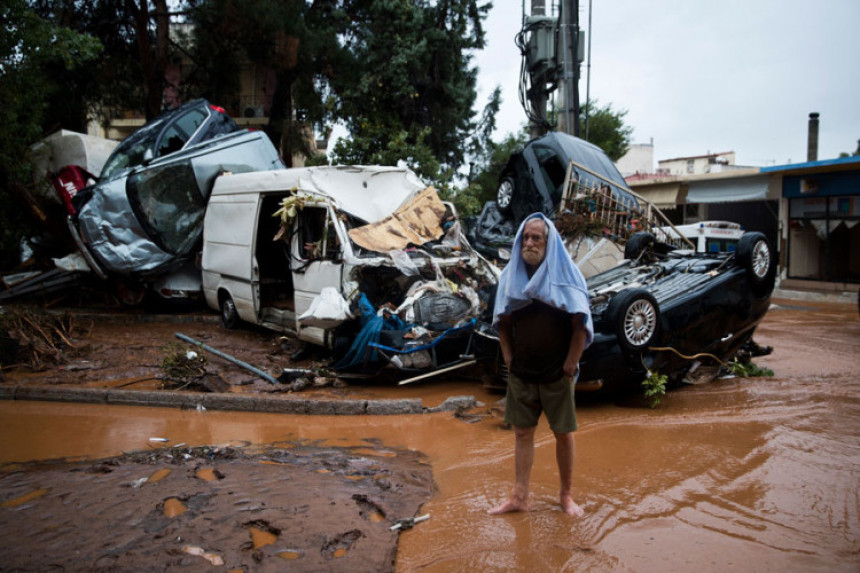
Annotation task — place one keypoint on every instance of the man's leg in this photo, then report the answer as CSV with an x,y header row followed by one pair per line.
x,y
565,452
524,456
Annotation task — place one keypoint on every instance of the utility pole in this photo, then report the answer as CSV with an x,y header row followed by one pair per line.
x,y
537,93
571,56
552,50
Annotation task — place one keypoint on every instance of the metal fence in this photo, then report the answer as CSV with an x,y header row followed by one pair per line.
x,y
591,206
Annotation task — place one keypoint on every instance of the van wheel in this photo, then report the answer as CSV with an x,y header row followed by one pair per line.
x,y
229,316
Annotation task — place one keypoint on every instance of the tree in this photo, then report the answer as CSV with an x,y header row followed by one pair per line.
x,y
606,129
32,48
131,74
296,40
485,171
414,84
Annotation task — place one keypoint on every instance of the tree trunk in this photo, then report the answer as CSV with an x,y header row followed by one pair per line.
x,y
153,60
281,116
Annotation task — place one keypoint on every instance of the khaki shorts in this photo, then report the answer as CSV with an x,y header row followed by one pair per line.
x,y
524,403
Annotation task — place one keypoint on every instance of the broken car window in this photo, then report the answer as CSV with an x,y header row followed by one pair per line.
x,y
178,133
168,205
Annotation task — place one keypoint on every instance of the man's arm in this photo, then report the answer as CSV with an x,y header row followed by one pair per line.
x,y
506,339
577,345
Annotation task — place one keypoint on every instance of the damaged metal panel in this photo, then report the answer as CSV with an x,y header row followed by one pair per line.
x,y
338,272
417,222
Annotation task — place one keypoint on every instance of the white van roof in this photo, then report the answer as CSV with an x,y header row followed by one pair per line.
x,y
370,193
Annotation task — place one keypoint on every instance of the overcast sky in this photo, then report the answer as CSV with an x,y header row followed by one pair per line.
x,y
702,76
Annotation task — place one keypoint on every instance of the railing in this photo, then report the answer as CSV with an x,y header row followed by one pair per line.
x,y
590,206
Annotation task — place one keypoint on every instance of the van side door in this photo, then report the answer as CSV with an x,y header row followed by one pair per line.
x,y
317,251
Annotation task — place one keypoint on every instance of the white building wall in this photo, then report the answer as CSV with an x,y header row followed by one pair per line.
x,y
638,159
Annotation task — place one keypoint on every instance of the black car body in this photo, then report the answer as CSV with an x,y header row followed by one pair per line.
x,y
669,311
172,131
533,179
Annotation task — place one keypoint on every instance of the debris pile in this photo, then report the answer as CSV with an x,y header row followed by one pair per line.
x,y
182,366
34,338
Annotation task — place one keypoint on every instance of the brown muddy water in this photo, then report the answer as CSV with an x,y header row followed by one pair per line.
x,y
746,474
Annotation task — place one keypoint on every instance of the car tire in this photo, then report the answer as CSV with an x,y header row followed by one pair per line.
x,y
505,194
755,256
635,315
637,244
229,314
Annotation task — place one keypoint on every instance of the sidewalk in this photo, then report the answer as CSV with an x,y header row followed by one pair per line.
x,y
841,297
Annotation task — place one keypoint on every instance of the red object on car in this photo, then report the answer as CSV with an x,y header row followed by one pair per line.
x,y
68,181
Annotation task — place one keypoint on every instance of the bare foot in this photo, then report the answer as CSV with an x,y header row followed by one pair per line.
x,y
570,508
510,506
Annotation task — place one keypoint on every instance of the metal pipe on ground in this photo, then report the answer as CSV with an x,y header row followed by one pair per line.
x,y
228,358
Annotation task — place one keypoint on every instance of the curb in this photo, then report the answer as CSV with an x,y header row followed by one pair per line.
x,y
231,402
214,401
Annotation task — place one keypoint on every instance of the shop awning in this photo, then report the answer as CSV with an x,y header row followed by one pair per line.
x,y
663,196
730,190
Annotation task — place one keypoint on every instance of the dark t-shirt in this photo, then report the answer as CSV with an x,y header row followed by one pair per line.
x,y
541,340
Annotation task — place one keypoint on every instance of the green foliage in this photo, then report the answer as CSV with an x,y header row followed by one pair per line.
x,y
33,52
489,160
606,129
748,369
411,86
655,387
182,364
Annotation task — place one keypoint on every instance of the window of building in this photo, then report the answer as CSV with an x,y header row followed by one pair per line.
x,y
824,238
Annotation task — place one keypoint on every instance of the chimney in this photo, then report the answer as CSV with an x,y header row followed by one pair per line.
x,y
812,141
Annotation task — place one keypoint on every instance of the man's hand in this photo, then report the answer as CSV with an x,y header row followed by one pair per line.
x,y
506,339
577,346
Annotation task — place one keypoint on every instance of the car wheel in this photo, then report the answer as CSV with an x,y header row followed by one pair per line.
x,y
505,195
229,315
637,244
636,318
754,255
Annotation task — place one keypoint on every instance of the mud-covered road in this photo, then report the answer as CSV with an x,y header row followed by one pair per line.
x,y
752,474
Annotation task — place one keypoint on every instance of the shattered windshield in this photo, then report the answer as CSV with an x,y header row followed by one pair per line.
x,y
131,150
168,204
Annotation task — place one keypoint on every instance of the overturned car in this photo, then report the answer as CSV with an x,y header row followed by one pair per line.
x,y
367,261
672,311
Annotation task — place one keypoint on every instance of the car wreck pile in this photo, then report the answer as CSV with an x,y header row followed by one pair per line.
x,y
657,306
366,261
370,263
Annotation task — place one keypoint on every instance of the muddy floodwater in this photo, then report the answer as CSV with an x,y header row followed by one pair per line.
x,y
755,474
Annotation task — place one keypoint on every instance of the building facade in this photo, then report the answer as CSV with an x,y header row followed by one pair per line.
x,y
820,223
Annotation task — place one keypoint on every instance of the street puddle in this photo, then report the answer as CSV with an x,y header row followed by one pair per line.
x,y
372,452
290,554
27,497
207,474
173,507
262,533
158,476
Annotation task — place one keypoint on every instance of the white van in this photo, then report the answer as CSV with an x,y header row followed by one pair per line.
x,y
708,236
297,250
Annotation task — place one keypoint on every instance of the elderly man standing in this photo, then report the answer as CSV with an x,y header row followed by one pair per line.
x,y
544,323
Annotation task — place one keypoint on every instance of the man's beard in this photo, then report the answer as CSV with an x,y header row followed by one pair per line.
x,y
531,257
